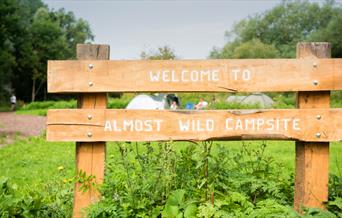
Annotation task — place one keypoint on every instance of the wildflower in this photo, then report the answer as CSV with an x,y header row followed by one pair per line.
x,y
60,168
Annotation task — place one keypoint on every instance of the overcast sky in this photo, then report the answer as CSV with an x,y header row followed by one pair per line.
x,y
191,28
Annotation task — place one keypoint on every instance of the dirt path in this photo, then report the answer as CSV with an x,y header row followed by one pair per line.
x,y
13,125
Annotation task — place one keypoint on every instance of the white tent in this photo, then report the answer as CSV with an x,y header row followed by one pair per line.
x,y
148,102
260,99
235,98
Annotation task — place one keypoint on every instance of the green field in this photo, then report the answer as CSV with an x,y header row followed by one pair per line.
x,y
35,161
45,171
216,101
170,179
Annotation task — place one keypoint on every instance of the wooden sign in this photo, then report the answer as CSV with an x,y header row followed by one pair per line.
x,y
93,124
248,75
161,125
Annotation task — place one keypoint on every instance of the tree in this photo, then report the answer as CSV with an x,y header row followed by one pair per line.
x,y
163,53
331,33
75,30
21,80
64,31
250,49
9,29
45,30
31,34
284,26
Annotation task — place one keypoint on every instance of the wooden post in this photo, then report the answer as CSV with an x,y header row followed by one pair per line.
x,y
312,158
90,156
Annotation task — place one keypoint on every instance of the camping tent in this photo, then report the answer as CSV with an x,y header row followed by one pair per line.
x,y
157,101
148,102
260,99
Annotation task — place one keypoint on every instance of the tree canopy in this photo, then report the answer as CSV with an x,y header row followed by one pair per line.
x,y
276,32
162,53
31,34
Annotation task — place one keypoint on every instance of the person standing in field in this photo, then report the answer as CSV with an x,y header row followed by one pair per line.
x,y
174,105
201,104
13,101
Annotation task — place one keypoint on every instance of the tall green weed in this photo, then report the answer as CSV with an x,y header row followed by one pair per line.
x,y
55,201
155,180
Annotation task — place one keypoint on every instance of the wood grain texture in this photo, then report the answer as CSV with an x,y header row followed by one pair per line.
x,y
312,158
195,76
90,156
142,125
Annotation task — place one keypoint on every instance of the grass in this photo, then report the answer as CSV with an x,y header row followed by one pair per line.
x,y
34,161
35,112
284,152
216,100
41,108
41,174
43,158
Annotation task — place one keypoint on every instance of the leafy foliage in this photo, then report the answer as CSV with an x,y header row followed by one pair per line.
x,y
250,49
9,32
200,180
157,180
40,107
163,53
55,202
281,28
211,179
86,181
31,34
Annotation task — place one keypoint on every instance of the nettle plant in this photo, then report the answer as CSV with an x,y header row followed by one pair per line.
x,y
199,179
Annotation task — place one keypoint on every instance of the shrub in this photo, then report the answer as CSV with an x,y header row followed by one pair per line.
x,y
118,103
156,180
49,105
55,202
232,106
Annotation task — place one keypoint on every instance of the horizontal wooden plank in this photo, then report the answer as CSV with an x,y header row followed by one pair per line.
x,y
161,125
243,75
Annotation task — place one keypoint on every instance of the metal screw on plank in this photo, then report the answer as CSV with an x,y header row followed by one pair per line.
x,y
314,64
89,134
90,84
90,117
315,82
90,66
318,117
318,135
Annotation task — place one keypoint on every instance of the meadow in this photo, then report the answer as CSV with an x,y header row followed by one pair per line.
x,y
169,179
216,101
37,178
